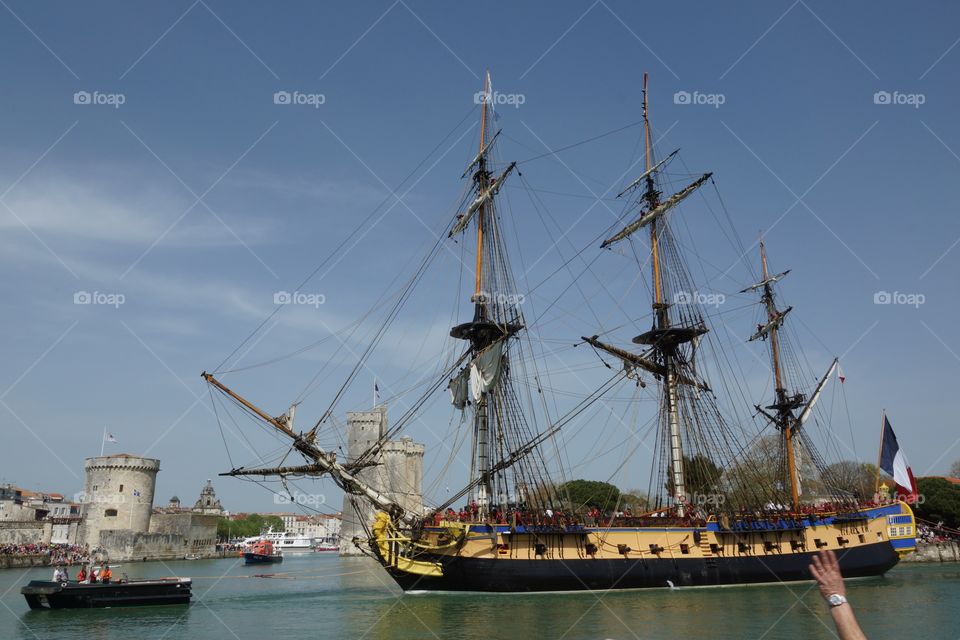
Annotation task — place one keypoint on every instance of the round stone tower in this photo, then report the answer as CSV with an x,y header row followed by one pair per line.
x,y
118,494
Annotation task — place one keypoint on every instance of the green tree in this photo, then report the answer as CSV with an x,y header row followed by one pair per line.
x,y
635,500
940,501
701,476
855,478
585,494
955,470
248,526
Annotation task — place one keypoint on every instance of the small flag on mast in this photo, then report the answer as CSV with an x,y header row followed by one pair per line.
x,y
110,438
894,463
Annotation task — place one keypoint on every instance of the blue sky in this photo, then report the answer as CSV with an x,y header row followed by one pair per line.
x,y
198,198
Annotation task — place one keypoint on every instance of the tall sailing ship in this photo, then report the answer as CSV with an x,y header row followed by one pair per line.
x,y
716,516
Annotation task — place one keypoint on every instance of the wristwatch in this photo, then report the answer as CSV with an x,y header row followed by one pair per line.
x,y
835,600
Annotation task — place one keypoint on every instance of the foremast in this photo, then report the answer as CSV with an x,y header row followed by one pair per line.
x,y
489,330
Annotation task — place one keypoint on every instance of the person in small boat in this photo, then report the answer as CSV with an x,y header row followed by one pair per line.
x,y
94,574
60,574
106,575
82,574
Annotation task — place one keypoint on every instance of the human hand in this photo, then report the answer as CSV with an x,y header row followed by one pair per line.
x,y
826,571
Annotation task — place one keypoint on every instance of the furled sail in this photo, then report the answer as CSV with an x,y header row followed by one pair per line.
x,y
770,280
634,360
484,197
480,155
647,173
658,211
763,331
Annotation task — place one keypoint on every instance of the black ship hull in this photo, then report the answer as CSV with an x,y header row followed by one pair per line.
x,y
509,575
43,594
261,558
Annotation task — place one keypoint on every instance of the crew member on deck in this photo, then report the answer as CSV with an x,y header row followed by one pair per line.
x,y
105,573
82,574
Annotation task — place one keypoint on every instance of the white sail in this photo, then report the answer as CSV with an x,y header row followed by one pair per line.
x,y
816,394
485,370
658,211
459,388
481,199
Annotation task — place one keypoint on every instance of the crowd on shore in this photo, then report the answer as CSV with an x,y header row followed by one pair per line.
x,y
936,533
65,554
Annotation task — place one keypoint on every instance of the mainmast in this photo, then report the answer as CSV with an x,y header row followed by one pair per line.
x,y
662,323
666,338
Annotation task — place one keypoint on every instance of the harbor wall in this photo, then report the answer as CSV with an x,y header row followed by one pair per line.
x,y
123,544
25,532
935,552
24,562
199,531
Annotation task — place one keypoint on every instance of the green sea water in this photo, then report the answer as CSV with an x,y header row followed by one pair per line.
x,y
323,596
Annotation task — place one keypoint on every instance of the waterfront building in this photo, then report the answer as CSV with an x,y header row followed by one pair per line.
x,y
208,503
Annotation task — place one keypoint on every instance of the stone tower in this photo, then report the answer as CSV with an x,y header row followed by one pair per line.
x,y
398,474
118,494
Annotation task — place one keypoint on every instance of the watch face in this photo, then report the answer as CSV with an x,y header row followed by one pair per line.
x,y
836,600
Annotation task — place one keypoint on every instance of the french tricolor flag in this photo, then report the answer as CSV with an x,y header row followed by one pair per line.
x,y
894,464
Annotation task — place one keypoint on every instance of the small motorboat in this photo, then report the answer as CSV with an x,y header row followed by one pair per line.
x,y
261,552
48,594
